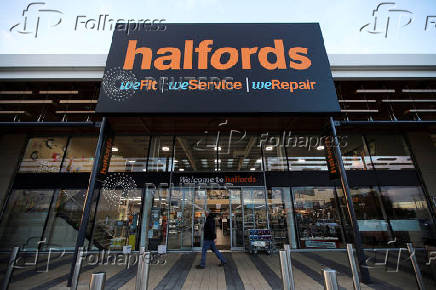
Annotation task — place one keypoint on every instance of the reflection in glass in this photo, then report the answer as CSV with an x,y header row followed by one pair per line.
x,y
160,154
80,154
237,218
388,152
117,219
180,220
157,229
274,154
195,153
305,152
129,154
255,215
317,217
24,219
239,154
43,155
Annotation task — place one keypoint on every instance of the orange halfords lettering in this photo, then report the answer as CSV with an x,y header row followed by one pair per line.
x,y
169,58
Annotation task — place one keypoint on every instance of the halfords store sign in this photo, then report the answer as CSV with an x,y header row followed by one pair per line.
x,y
219,68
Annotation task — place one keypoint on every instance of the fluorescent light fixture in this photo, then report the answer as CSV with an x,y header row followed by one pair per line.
x,y
252,169
12,112
165,148
360,91
301,160
181,169
259,160
422,111
59,92
268,148
16,92
75,112
410,101
144,169
78,102
131,161
359,111
115,149
26,102
418,90
357,101
320,147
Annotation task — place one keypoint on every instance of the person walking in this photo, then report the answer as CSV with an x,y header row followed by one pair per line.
x,y
209,237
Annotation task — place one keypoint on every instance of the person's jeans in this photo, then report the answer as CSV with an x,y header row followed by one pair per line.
x,y
207,244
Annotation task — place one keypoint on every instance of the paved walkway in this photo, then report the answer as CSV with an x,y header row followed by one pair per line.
x,y
243,271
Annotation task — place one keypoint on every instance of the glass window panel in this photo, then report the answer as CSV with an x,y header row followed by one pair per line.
x,y
158,220
195,153
317,216
43,155
24,219
239,154
281,217
305,152
409,215
160,154
389,152
80,154
129,154
117,219
274,153
353,152
63,224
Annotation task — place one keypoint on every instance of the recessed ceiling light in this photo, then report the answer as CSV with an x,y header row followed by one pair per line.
x,y
165,148
114,149
252,169
219,161
219,148
268,148
320,147
181,169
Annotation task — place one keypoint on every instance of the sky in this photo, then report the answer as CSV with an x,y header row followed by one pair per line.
x,y
402,27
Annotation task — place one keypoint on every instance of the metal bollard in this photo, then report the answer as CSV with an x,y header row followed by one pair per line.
x,y
350,252
10,269
285,270
330,279
77,267
418,274
290,271
143,270
97,281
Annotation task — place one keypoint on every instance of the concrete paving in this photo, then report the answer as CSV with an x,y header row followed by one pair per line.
x,y
243,271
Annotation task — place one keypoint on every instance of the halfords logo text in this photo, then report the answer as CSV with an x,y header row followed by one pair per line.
x,y
170,58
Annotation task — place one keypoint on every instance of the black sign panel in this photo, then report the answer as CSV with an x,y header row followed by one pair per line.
x,y
330,156
218,68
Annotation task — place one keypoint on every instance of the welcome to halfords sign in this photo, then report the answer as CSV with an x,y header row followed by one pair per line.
x,y
219,68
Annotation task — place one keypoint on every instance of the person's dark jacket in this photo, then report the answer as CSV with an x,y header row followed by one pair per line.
x,y
209,233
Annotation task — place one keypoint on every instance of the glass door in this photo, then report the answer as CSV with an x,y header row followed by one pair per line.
x,y
180,219
199,215
236,219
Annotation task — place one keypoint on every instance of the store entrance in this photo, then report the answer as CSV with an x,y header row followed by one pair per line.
x,y
236,210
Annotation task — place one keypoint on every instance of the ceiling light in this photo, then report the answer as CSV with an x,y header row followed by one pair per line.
x,y
59,92
252,169
375,91
114,149
165,148
75,112
16,92
259,160
219,161
26,102
12,112
268,148
131,161
301,160
181,169
219,148
418,90
78,102
144,169
320,147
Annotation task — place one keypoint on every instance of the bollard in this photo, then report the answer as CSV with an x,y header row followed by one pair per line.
x,y
143,270
418,274
350,252
97,281
77,267
10,269
290,271
330,279
285,270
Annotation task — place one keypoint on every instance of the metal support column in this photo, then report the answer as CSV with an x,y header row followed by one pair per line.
x,y
89,196
350,207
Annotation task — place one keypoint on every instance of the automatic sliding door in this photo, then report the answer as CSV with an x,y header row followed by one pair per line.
x,y
199,215
254,209
180,220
